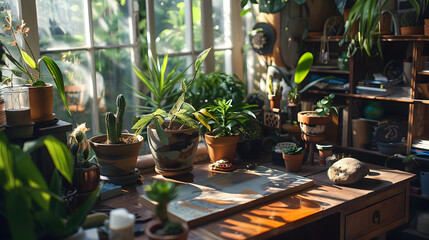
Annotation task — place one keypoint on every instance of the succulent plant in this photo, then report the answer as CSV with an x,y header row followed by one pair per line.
x,y
114,122
324,106
79,146
293,150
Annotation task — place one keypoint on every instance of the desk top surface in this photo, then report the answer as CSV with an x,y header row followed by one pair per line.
x,y
282,214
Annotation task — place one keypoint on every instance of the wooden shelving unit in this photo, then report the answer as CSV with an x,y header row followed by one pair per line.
x,y
360,65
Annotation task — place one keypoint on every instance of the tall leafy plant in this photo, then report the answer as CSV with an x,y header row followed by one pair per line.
x,y
181,112
29,62
29,207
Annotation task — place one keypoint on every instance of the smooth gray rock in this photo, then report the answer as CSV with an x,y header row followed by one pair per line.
x,y
347,171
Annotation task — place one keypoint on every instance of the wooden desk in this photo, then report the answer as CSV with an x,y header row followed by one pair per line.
x,y
370,208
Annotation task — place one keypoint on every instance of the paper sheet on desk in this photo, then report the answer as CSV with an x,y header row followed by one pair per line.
x,y
225,193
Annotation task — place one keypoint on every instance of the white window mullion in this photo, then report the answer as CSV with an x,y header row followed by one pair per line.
x,y
150,21
235,60
91,60
189,33
207,34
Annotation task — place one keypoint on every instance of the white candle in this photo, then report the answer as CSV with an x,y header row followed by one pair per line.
x,y
121,224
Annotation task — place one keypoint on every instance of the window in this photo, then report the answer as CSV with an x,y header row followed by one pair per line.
x,y
184,28
95,43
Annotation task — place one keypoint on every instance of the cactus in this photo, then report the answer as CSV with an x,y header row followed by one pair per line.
x,y
79,146
114,122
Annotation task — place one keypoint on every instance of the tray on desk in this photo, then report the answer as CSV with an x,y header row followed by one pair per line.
x,y
226,193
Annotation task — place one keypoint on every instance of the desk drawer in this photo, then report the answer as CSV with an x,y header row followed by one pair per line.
x,y
369,219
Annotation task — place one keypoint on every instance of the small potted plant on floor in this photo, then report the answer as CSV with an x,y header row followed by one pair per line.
x,y
293,157
313,124
117,152
227,124
86,175
173,137
163,192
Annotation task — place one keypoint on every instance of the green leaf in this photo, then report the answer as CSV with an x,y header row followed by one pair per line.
x,y
39,83
200,59
56,74
16,63
319,111
244,12
304,64
59,152
176,107
243,3
6,163
202,120
28,60
18,215
188,121
79,215
160,131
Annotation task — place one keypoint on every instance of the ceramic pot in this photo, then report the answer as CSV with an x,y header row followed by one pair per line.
x,y
325,150
274,101
156,224
313,127
412,30
426,27
292,111
86,179
177,156
116,159
221,147
41,103
293,162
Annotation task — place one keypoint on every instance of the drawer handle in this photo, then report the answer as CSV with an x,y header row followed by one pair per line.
x,y
376,217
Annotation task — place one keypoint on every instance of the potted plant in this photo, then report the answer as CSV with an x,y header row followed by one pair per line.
x,y
86,175
274,93
313,124
227,123
367,38
293,157
163,192
30,208
40,93
117,152
410,23
173,142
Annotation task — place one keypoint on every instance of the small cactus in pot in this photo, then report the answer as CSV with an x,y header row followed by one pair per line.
x,y
114,122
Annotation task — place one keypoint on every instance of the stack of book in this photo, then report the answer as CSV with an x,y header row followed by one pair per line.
x,y
420,147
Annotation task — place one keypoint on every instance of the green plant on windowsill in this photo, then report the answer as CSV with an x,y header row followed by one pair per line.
x,y
229,119
163,192
29,207
29,61
181,112
324,106
293,150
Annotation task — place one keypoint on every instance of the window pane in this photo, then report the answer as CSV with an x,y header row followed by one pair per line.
x,y
78,88
112,22
61,23
221,24
219,61
170,26
113,68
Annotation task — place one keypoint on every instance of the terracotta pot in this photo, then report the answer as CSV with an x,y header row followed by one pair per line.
x,y
293,162
41,103
156,224
86,179
412,30
426,27
116,159
274,100
221,147
177,157
385,23
313,126
325,150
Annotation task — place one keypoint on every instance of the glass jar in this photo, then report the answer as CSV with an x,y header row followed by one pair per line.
x,y
17,106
